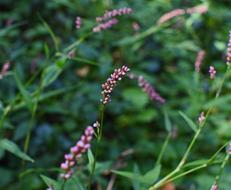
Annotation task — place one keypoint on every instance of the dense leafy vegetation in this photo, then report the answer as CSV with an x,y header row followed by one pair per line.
x,y
52,92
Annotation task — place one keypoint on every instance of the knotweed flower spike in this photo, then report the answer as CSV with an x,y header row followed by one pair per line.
x,y
105,25
199,60
170,15
228,59
76,151
146,86
201,9
201,117
229,148
110,84
212,72
214,187
116,12
78,22
4,70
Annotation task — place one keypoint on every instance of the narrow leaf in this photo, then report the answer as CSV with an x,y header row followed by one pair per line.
x,y
50,182
50,74
26,95
151,176
90,159
167,122
14,149
189,121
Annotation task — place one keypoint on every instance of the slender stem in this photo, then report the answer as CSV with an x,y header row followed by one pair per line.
x,y
99,137
163,149
217,179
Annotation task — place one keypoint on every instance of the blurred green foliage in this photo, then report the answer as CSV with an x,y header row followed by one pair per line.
x,y
55,97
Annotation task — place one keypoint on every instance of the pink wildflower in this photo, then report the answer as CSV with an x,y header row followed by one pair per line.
x,y
135,26
229,148
116,12
199,60
78,22
146,86
201,9
110,84
4,70
214,187
228,59
201,117
105,25
212,72
76,151
170,15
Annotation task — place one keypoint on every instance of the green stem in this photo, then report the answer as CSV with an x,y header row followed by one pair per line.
x,y
163,149
217,179
99,137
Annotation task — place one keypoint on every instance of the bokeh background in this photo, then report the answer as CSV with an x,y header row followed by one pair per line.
x,y
34,36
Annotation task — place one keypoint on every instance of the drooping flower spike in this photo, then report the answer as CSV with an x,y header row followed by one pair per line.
x,y
105,25
212,72
116,12
214,187
111,82
147,87
78,22
201,117
199,60
76,151
4,70
228,59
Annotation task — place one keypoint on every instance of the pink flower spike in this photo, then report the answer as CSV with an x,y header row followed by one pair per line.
x,y
78,22
146,86
199,60
229,148
214,187
110,83
105,25
201,117
228,59
212,72
4,70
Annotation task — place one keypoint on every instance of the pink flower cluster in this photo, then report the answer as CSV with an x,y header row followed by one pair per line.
x,y
114,13
105,25
135,26
146,86
212,72
110,84
229,148
76,151
78,22
4,70
170,15
201,117
199,60
214,187
201,9
229,51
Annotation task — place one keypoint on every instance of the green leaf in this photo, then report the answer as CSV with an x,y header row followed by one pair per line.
x,y
14,149
151,176
90,159
50,182
167,122
50,74
221,101
189,121
26,95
